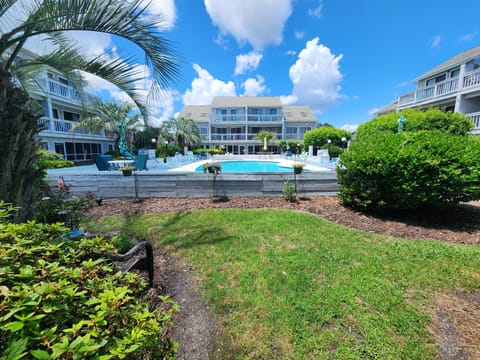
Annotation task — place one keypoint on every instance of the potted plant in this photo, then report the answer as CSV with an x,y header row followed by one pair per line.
x,y
298,168
127,170
212,167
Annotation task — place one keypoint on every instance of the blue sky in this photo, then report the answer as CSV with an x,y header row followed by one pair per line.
x,y
342,58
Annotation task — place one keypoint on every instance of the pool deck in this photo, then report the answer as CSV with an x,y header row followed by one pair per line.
x,y
177,178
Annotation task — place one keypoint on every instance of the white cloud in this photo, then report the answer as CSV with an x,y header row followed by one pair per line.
x,y
356,97
254,87
373,111
205,86
468,37
435,42
316,77
247,62
349,127
165,8
317,11
258,22
299,34
289,99
291,52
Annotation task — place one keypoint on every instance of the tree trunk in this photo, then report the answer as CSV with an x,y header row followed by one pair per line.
x,y
19,120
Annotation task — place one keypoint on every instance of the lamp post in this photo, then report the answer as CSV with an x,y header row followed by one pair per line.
x,y
329,142
344,140
166,149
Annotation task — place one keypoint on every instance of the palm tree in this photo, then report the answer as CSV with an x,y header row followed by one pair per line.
x,y
109,116
51,18
266,137
184,131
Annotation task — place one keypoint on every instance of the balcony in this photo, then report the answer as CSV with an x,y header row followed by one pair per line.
x,y
64,127
470,81
475,118
58,89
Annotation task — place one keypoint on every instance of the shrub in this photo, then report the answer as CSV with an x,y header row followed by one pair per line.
x,y
58,206
319,137
417,120
289,192
410,170
62,299
52,160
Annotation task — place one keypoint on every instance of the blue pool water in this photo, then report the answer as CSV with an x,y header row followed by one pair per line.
x,y
249,166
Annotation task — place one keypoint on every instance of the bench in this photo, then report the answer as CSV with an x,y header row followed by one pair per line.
x,y
135,259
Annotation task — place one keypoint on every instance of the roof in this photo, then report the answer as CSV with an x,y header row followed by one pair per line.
x,y
242,101
456,60
298,113
195,112
292,113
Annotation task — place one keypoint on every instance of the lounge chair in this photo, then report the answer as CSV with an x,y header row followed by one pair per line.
x,y
141,162
190,155
102,162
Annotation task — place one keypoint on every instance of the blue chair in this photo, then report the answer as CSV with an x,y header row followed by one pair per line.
x,y
141,162
102,162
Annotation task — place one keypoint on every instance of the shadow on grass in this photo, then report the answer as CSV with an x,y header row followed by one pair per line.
x,y
201,233
459,218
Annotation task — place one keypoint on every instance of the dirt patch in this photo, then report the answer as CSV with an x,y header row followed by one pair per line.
x,y
455,327
455,316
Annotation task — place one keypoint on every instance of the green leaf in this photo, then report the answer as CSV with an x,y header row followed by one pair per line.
x,y
16,349
40,354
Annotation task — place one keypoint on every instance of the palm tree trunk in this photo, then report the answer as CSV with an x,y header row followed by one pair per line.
x,y
19,177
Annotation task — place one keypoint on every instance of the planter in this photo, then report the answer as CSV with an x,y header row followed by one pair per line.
x,y
127,172
297,170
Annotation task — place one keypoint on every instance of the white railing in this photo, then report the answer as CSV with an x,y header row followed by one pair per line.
x,y
471,79
429,92
475,118
59,89
229,118
65,127
227,137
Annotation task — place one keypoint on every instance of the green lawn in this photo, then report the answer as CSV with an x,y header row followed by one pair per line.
x,y
290,285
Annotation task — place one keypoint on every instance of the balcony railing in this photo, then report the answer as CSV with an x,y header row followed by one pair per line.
x,y
227,137
59,89
249,118
475,118
59,126
470,80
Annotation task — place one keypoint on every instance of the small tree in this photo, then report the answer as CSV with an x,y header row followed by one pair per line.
x,y
319,137
266,137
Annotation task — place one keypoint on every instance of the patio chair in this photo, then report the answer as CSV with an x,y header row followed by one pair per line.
x,y
102,162
141,162
190,155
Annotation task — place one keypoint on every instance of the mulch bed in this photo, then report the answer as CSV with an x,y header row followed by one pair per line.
x,y
458,225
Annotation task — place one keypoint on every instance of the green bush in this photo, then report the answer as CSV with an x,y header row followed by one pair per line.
x,y
171,150
52,160
62,299
417,120
410,170
319,137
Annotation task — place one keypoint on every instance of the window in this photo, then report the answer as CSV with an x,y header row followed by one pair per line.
x,y
435,80
44,145
454,73
55,113
67,115
63,81
472,65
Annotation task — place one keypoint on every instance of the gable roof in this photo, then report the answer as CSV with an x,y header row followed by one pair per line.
x,y
456,60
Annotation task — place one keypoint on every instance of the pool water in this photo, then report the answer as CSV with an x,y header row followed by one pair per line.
x,y
249,166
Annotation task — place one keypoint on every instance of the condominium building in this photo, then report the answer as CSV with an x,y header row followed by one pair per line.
x,y
234,121
62,108
452,86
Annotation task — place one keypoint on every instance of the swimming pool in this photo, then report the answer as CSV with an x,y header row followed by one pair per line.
x,y
250,166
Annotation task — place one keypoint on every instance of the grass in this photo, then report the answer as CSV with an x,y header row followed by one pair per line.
x,y
290,285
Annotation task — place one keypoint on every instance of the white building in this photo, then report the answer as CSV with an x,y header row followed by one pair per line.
x,y
452,86
234,121
62,108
